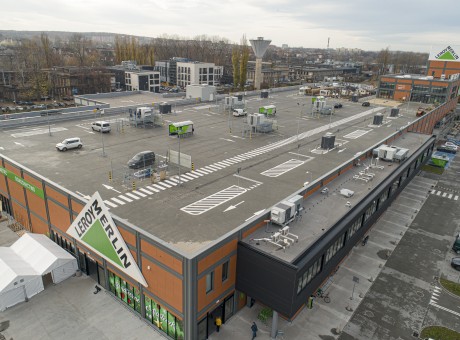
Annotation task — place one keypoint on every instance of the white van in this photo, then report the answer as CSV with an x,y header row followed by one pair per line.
x,y
101,126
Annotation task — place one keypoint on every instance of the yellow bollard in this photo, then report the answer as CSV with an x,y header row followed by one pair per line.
x,y
134,185
193,167
110,176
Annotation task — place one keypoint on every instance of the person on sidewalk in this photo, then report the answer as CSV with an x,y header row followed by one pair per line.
x,y
218,323
254,330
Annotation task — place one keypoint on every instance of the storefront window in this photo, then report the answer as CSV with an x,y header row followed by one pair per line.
x,y
112,283
163,319
171,325
179,329
137,300
124,296
130,295
148,308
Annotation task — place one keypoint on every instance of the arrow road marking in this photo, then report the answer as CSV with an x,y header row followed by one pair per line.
x,y
18,144
108,187
233,206
255,214
84,196
228,140
341,150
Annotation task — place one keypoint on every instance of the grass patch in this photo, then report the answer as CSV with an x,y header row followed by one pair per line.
x,y
433,169
439,333
452,287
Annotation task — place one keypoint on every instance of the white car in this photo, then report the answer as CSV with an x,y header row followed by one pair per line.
x,y
69,143
239,112
450,144
101,126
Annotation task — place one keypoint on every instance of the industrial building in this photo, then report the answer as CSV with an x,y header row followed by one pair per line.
x,y
255,220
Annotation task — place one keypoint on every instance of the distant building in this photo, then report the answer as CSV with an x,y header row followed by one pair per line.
x,y
142,81
195,72
132,77
441,83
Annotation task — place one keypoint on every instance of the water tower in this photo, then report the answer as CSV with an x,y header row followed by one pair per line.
x,y
259,46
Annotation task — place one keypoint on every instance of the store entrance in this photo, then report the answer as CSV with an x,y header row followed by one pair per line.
x,y
5,205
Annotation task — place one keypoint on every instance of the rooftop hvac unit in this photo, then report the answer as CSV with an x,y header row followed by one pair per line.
x,y
443,76
378,119
283,212
394,112
346,193
264,94
297,200
401,154
387,153
375,152
327,142
255,119
165,108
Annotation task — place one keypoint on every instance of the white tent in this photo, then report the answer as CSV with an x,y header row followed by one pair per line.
x,y
18,280
45,256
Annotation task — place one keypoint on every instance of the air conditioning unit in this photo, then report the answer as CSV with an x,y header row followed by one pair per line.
x,y
283,212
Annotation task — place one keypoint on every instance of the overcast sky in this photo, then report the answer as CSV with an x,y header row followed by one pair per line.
x,y
407,25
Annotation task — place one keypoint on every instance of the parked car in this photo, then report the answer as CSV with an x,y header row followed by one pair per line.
x,y
69,143
450,144
455,263
142,159
101,126
366,104
338,105
239,112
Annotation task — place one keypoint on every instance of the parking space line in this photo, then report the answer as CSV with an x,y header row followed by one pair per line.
x,y
455,198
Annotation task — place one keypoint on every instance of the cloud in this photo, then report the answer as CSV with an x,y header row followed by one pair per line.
x,y
369,25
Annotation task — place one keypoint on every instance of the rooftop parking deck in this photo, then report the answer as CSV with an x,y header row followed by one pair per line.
x,y
237,175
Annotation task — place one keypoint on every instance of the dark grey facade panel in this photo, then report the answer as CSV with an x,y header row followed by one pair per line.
x,y
265,278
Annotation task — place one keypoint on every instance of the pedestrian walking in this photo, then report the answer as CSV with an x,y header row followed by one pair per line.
x,y
218,323
254,330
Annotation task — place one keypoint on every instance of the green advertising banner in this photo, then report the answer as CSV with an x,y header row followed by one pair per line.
x,y
32,188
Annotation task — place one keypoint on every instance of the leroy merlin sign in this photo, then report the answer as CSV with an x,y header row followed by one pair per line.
x,y
95,228
446,54
32,188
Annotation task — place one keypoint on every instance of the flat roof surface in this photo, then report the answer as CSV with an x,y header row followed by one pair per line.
x,y
237,175
323,210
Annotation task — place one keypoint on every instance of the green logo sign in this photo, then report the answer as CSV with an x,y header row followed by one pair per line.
x,y
95,228
447,54
22,182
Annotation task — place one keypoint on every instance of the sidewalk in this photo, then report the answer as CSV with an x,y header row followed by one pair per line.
x,y
7,236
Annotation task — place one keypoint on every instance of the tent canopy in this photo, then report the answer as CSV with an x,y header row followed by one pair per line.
x,y
42,254
13,269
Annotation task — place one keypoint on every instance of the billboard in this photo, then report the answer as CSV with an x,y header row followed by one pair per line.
x,y
445,54
94,227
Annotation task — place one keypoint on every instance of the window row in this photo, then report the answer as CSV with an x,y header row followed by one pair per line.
x,y
309,275
210,277
336,246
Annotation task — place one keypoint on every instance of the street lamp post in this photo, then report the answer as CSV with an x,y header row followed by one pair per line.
x,y
48,118
179,131
310,175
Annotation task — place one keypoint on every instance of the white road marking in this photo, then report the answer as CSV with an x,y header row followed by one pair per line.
x,y
214,200
138,193
148,192
283,168
132,195
228,140
455,198
125,198
38,132
116,200
233,206
110,204
356,134
450,196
